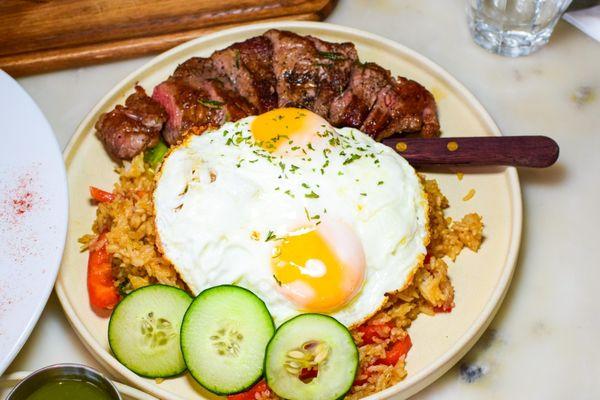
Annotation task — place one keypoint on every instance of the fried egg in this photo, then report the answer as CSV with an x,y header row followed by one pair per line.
x,y
309,217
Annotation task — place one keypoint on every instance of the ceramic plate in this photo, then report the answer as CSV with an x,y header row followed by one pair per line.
x,y
480,279
33,216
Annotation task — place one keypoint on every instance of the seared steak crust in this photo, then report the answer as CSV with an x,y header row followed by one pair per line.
x,y
334,67
309,71
197,97
293,64
130,129
277,69
352,107
187,107
248,65
200,73
418,104
402,106
199,68
380,105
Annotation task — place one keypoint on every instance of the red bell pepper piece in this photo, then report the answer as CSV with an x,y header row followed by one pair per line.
x,y
250,394
443,309
100,195
398,349
101,289
372,331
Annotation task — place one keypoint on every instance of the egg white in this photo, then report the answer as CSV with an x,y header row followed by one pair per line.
x,y
219,197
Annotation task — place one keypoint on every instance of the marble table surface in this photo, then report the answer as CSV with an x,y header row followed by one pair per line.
x,y
544,341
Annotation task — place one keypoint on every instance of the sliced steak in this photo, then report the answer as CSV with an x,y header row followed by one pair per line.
x,y
335,66
199,68
352,107
249,66
128,130
200,73
403,106
418,103
277,69
309,71
189,109
380,106
294,66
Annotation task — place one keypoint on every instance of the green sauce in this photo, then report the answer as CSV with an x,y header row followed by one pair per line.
x,y
69,389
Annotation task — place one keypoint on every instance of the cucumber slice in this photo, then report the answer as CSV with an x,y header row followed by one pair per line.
x,y
143,332
223,338
306,342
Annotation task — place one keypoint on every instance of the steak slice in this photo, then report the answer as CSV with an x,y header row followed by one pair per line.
x,y
128,130
248,65
403,106
200,73
352,107
335,66
189,109
380,106
309,71
418,103
199,68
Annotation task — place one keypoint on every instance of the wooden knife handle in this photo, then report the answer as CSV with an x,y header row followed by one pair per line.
x,y
518,151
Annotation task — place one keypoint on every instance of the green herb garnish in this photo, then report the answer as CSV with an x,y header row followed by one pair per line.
x,y
332,56
211,103
351,159
270,236
155,155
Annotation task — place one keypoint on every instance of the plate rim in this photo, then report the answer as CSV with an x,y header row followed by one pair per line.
x,y
61,230
413,383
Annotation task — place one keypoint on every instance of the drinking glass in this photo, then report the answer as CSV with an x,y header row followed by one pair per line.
x,y
513,27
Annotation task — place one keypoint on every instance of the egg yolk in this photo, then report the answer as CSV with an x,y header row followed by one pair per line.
x,y
283,129
320,270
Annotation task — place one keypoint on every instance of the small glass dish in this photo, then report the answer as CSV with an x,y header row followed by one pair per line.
x,y
52,379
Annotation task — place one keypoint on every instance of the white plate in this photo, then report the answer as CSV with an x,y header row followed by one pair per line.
x,y
480,279
33,216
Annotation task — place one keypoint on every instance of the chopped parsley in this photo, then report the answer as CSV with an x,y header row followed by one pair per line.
x,y
351,159
211,103
270,236
237,58
332,56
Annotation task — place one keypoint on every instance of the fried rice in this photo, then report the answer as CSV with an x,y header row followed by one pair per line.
x,y
128,222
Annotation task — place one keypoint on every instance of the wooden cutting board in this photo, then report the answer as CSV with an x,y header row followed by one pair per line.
x,y
43,35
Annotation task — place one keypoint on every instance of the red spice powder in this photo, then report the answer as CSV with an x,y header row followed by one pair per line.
x,y
21,199
24,203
